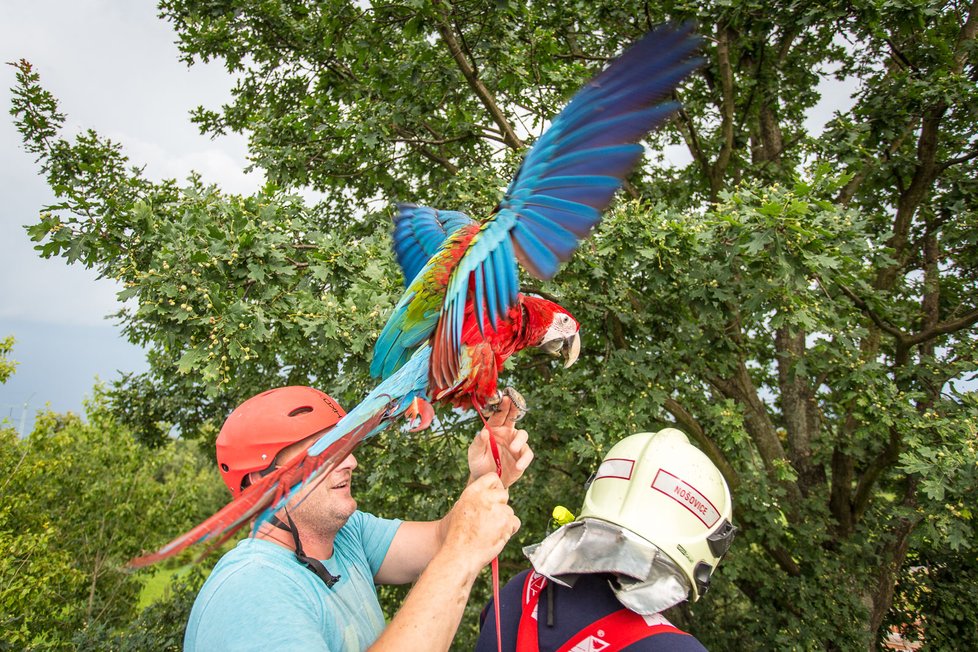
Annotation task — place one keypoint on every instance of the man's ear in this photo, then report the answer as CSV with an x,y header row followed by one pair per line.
x,y
250,479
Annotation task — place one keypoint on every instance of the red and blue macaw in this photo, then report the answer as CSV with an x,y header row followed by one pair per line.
x,y
462,314
496,320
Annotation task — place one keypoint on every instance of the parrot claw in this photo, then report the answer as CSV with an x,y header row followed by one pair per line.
x,y
421,410
492,405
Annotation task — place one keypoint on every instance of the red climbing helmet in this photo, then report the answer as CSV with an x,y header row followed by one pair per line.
x,y
259,428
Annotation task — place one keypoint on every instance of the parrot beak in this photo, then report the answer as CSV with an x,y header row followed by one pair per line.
x,y
571,349
563,338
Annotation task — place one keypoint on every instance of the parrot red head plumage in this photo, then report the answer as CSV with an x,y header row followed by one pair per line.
x,y
550,327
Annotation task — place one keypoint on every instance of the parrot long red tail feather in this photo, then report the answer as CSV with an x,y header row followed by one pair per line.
x,y
264,493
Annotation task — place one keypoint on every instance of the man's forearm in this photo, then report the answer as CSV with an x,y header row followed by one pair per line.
x,y
474,532
433,609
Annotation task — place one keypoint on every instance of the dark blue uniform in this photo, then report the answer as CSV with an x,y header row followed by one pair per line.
x,y
590,600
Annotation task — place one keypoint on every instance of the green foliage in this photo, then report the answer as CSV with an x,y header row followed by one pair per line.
x,y
802,304
7,366
159,626
79,499
934,598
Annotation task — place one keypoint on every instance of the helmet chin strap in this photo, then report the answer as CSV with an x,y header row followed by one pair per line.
x,y
314,565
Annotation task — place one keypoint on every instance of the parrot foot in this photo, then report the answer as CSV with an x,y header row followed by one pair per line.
x,y
492,404
421,410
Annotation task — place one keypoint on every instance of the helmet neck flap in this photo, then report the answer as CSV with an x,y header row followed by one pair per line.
x,y
644,579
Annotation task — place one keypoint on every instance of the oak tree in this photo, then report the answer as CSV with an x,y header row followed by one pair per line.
x,y
800,301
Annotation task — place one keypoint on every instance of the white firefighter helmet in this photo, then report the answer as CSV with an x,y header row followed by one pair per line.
x,y
667,491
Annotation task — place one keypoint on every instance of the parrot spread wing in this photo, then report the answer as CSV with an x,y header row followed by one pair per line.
x,y
419,232
562,187
569,177
428,301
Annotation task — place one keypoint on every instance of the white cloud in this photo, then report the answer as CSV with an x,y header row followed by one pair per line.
x,y
114,68
224,166
51,292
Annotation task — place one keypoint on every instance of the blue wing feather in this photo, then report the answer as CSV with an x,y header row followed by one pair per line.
x,y
606,133
480,300
419,231
503,269
513,281
559,240
491,305
575,221
539,258
616,161
596,135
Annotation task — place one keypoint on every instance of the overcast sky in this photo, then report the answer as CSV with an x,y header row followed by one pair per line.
x,y
114,67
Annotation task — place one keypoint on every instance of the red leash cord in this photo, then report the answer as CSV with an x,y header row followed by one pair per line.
x,y
495,562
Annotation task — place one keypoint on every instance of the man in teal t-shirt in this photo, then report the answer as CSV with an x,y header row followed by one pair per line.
x,y
293,603
308,582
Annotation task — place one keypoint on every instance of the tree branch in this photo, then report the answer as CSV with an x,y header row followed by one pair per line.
x,y
967,34
688,131
740,388
900,57
797,405
840,502
447,33
419,146
930,303
943,328
784,560
959,159
727,109
695,430
846,194
864,307
887,457
903,339
926,169
772,141
409,140
893,555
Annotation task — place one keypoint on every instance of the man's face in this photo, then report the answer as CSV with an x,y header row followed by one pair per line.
x,y
326,505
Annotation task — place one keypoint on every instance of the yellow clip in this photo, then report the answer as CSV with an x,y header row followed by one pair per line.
x,y
562,515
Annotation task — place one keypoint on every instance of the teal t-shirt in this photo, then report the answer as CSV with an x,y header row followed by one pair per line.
x,y
258,597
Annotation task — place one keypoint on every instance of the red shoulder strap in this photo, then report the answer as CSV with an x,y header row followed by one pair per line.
x,y
526,635
613,632
617,631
